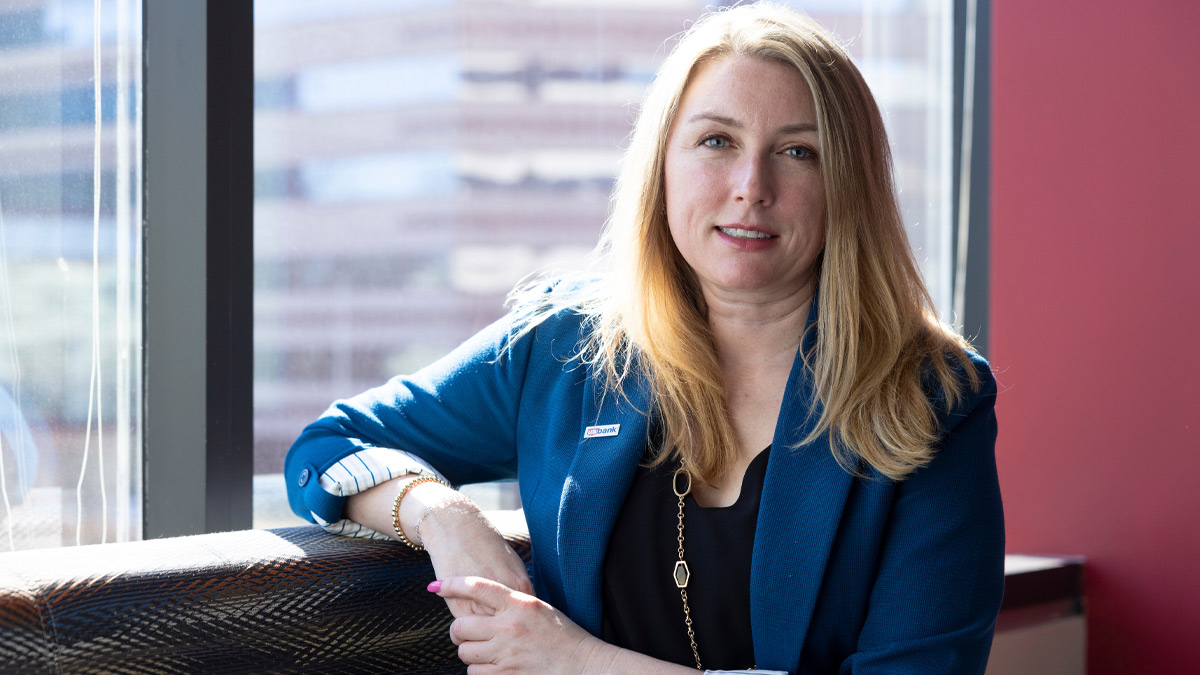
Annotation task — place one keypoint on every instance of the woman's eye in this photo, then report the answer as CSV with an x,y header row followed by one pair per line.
x,y
714,142
800,152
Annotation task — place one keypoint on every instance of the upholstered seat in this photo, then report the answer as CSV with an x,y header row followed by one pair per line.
x,y
294,600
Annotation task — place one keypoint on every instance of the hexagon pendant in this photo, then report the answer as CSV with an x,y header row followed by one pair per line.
x,y
681,574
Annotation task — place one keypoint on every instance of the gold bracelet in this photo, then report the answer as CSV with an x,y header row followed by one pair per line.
x,y
396,508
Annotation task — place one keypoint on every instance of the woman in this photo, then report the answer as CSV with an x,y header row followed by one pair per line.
x,y
750,444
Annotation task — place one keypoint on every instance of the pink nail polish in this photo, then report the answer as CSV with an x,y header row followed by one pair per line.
x,y
434,586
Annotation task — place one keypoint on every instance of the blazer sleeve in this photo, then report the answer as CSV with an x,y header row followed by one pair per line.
x,y
938,589
459,414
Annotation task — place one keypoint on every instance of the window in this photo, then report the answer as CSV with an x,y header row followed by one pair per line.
x,y
70,273
413,161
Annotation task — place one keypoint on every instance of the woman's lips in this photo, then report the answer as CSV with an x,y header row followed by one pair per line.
x,y
745,238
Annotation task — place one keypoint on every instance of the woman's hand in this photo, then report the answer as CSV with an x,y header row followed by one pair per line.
x,y
461,541
457,535
514,632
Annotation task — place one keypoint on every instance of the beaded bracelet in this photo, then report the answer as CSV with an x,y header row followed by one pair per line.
x,y
396,509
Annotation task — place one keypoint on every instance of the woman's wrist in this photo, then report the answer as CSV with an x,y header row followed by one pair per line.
x,y
598,657
427,507
456,511
412,497
406,534
602,658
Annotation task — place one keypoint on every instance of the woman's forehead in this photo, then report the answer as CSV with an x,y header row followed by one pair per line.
x,y
751,92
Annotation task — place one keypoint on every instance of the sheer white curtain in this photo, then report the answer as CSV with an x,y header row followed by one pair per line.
x,y
70,279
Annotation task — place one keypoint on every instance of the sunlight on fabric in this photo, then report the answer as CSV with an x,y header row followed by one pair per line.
x,y
95,380
10,404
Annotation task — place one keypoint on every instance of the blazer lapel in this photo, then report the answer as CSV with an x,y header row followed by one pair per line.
x,y
594,491
804,493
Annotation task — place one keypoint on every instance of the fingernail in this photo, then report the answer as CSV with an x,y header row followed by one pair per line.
x,y
434,586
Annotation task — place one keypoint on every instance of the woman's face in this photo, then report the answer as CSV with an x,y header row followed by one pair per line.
x,y
745,195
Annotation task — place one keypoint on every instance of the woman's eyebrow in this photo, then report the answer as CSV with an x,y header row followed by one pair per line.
x,y
731,122
713,117
798,128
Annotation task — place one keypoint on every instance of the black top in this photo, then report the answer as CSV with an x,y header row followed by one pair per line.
x,y
642,609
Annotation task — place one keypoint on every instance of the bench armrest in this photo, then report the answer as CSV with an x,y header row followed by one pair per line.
x,y
286,600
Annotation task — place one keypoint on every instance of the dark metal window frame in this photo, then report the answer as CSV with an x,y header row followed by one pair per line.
x,y
971,201
198,200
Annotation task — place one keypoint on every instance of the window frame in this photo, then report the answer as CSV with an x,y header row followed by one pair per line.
x,y
198,257
971,202
198,201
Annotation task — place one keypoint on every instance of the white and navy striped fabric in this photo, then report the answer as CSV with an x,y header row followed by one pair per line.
x,y
366,469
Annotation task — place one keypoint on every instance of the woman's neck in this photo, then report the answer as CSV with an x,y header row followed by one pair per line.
x,y
752,331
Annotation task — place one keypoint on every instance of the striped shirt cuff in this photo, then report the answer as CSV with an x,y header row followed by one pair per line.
x,y
362,470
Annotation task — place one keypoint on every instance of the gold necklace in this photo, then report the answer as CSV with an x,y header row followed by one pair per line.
x,y
680,572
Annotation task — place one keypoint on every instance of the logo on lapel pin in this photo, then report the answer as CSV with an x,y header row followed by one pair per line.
x,y
602,431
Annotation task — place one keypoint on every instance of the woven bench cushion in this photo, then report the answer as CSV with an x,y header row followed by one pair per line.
x,y
294,600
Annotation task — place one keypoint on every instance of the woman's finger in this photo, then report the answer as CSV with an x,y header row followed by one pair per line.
x,y
476,653
460,608
471,628
492,596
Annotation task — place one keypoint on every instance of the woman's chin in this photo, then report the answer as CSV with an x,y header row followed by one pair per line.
x,y
752,286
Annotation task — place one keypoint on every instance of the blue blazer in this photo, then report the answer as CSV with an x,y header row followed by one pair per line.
x,y
849,574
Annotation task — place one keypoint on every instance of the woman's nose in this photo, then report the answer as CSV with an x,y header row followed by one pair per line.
x,y
752,181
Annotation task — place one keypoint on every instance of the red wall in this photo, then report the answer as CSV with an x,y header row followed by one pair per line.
x,y
1095,305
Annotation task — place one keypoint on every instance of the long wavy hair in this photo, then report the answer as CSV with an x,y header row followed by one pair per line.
x,y
879,345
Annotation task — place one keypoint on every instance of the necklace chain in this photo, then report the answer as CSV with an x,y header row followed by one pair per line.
x,y
680,573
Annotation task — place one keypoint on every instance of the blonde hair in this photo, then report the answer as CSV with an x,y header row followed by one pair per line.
x,y
878,342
